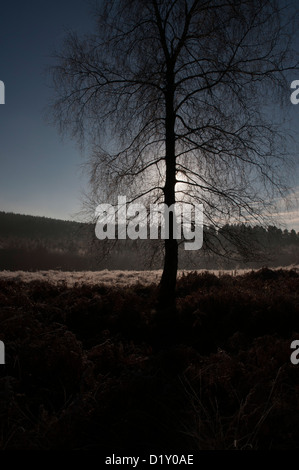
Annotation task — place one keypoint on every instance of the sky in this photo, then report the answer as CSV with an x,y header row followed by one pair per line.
x,y
41,174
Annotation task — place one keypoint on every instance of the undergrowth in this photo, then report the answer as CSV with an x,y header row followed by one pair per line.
x,y
92,367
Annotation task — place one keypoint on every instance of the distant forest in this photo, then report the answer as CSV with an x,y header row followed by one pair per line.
x,y
39,243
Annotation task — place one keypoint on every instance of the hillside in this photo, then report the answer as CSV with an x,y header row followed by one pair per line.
x,y
31,243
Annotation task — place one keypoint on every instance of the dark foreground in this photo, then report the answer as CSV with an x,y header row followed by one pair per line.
x,y
95,368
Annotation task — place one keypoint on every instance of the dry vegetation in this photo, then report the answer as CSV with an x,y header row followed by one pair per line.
x,y
93,367
116,278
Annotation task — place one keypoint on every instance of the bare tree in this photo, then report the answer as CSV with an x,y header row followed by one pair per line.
x,y
171,96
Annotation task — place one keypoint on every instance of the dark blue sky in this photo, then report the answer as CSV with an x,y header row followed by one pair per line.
x,y
39,173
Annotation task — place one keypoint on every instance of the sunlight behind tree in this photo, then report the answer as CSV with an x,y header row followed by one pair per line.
x,y
172,97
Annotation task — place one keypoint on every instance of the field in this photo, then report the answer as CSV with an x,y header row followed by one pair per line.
x,y
92,365
116,278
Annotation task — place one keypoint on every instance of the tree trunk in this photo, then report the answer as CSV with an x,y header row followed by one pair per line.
x,y
168,281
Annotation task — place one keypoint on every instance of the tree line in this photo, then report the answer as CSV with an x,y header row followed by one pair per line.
x,y
32,243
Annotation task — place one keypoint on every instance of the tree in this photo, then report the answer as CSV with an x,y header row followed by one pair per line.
x,y
171,97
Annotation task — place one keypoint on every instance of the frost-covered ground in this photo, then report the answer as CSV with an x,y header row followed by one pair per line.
x,y
116,278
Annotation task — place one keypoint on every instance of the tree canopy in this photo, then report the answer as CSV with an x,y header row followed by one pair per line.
x,y
172,98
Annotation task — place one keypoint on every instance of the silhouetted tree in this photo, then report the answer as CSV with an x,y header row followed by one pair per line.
x,y
171,96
